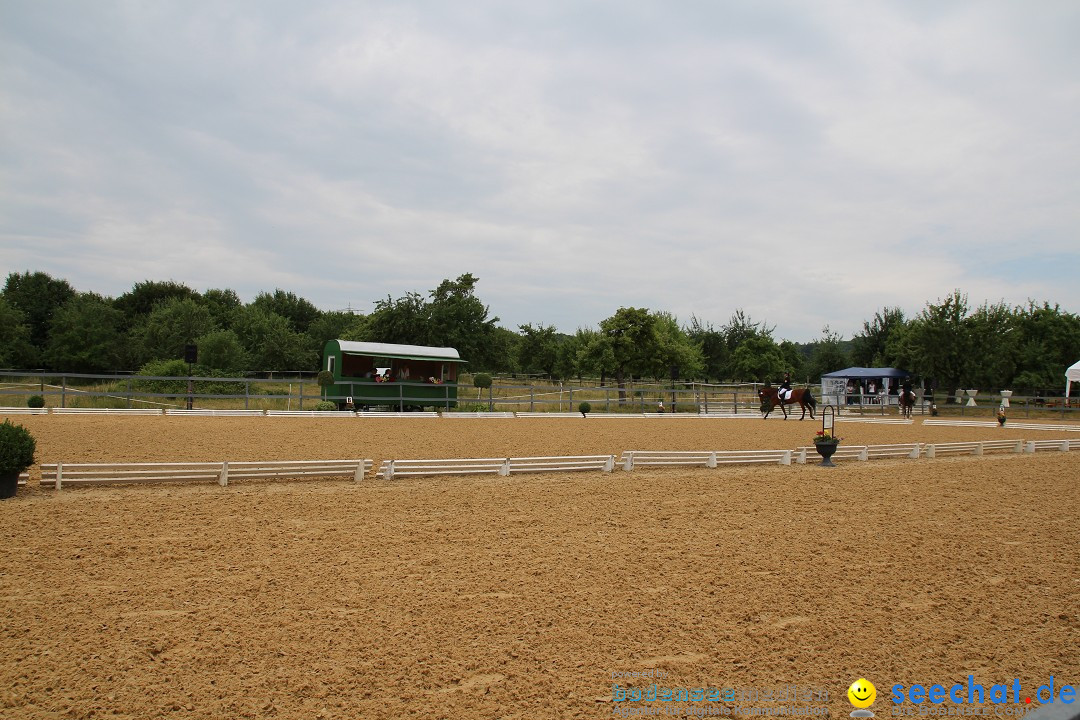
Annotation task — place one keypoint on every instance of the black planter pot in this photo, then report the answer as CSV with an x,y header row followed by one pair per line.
x,y
9,483
826,450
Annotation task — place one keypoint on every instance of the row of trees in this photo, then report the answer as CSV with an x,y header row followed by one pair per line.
x,y
45,322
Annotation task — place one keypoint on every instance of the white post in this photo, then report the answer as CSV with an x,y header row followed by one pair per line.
x,y
978,449
801,457
359,474
930,451
223,479
628,464
785,459
59,474
389,474
610,464
712,460
505,469
864,454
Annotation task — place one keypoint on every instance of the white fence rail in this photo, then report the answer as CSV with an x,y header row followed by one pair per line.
x,y
58,475
390,469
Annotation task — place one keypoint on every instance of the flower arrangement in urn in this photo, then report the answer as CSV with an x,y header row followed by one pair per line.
x,y
825,436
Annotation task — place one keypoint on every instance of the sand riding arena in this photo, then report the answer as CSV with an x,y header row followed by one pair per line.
x,y
528,596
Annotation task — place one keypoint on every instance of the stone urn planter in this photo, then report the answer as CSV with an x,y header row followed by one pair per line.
x,y
826,443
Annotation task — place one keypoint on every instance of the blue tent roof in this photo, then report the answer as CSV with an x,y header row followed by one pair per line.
x,y
865,373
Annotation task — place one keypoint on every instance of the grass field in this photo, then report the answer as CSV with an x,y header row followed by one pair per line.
x,y
529,596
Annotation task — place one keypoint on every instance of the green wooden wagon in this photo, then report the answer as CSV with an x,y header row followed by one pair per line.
x,y
397,377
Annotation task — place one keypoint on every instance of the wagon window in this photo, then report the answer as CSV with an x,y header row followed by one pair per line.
x,y
330,363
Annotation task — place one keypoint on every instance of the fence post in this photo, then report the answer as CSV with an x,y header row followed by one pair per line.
x,y
63,392
129,392
607,400
301,394
223,479
59,474
532,397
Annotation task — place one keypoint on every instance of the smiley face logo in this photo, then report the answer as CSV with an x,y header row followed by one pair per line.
x,y
862,693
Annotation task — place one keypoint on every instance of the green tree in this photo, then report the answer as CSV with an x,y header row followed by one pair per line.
x,y
739,330
757,359
271,343
140,301
1048,343
16,350
794,360
403,321
37,295
538,349
994,344
674,349
86,336
568,363
299,312
595,356
221,350
936,344
870,348
458,319
171,325
714,349
332,325
828,355
631,344
221,304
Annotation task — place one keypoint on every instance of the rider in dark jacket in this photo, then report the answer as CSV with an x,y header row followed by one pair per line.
x,y
785,387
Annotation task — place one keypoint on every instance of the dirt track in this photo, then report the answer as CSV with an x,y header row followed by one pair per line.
x,y
520,597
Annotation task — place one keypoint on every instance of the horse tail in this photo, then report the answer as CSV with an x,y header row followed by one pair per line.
x,y
810,399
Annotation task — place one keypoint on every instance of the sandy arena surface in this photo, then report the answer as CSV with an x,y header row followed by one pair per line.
x,y
522,597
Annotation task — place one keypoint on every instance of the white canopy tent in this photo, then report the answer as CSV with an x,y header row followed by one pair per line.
x,y
1072,375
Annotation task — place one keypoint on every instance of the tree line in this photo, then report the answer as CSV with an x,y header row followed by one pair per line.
x,y
46,323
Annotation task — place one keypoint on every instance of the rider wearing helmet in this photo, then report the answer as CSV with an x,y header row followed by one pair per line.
x,y
785,387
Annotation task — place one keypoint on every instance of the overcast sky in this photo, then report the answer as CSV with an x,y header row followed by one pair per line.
x,y
806,162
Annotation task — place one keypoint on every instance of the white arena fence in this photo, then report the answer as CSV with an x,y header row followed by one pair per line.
x,y
58,475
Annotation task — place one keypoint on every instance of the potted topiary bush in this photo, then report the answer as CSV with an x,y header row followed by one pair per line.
x,y
35,401
17,447
584,408
481,381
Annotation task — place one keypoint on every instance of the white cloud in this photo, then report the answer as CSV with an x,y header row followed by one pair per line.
x,y
782,158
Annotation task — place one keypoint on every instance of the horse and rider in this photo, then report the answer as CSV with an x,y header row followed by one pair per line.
x,y
906,400
784,395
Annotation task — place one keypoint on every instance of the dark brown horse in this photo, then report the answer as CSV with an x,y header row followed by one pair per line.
x,y
770,398
907,402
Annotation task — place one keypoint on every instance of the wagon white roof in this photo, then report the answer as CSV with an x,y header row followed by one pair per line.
x,y
411,352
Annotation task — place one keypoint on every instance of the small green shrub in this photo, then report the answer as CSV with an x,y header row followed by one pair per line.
x,y
323,405
35,401
481,380
17,448
584,408
325,378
